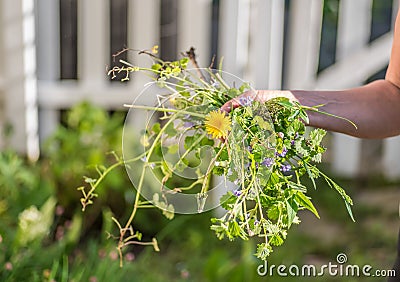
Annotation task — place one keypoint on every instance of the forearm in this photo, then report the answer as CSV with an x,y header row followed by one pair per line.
x,y
374,108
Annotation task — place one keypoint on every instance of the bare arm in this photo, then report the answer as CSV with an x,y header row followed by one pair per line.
x,y
374,108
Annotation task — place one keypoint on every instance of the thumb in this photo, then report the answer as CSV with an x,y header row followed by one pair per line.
x,y
230,105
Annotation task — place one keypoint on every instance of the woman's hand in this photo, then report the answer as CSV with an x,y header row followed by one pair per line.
x,y
255,95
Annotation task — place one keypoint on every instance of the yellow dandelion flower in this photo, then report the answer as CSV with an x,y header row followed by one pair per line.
x,y
217,124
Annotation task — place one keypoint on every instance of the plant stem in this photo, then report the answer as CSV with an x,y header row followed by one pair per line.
x,y
206,176
140,184
104,174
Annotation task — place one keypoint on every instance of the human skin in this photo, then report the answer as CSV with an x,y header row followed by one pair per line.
x,y
374,108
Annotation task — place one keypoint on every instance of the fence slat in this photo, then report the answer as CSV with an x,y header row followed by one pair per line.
x,y
355,68
48,39
93,42
266,44
354,26
49,119
233,35
194,27
143,27
20,92
143,33
48,54
303,43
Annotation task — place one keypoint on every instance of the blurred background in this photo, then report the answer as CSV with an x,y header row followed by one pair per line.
x,y
60,114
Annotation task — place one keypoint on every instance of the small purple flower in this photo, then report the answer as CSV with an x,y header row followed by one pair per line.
x,y
246,101
296,135
292,142
268,162
285,168
281,135
242,101
237,193
282,154
256,222
250,149
144,159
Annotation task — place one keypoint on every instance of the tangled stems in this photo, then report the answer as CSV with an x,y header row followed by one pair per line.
x,y
88,196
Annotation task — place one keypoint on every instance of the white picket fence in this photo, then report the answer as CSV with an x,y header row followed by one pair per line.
x,y
251,39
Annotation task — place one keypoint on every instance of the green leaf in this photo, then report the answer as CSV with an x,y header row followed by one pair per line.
x,y
310,174
297,186
184,61
285,102
348,207
227,200
233,93
265,125
292,209
188,142
296,126
346,198
156,128
217,170
172,149
156,67
244,86
301,147
234,230
207,142
317,135
276,240
304,201
316,158
303,115
170,130
263,251
273,213
294,115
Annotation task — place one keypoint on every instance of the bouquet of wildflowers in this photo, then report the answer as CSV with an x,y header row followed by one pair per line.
x,y
261,150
